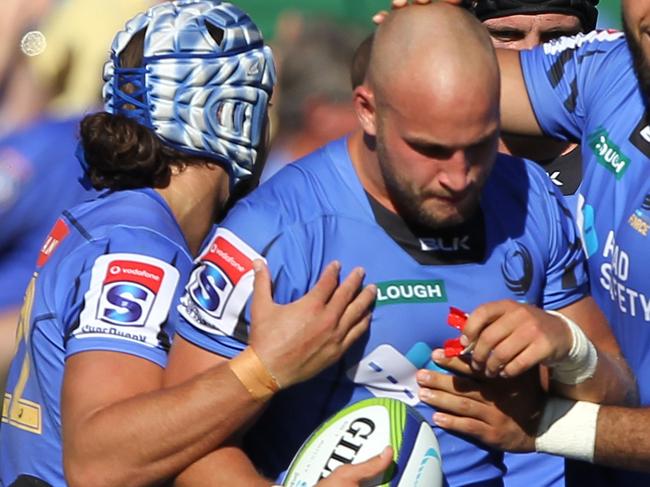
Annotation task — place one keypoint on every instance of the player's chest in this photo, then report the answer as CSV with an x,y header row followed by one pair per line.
x,y
413,299
622,280
616,151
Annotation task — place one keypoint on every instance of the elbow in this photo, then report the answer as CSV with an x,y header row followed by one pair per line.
x,y
78,474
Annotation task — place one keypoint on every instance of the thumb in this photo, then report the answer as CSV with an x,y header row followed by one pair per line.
x,y
375,466
262,292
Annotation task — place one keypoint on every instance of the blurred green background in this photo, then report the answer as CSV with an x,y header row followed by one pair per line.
x,y
266,12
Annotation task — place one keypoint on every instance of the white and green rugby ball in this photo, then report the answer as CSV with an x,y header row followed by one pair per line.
x,y
361,431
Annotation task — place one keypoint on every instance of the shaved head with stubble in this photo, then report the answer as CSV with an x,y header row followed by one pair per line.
x,y
429,107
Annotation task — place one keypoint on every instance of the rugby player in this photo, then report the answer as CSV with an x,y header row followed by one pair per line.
x,y
524,24
594,89
186,93
414,198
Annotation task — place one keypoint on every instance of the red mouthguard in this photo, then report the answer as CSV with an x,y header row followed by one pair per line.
x,y
456,319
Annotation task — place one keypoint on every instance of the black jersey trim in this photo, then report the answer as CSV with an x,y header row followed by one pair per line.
x,y
73,221
461,244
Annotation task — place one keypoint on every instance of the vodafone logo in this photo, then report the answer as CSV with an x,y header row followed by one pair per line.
x,y
227,258
146,275
116,269
231,260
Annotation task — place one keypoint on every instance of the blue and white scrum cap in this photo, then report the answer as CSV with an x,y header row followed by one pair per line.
x,y
204,84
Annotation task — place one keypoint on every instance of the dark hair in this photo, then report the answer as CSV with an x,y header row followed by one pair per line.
x,y
121,153
585,10
360,62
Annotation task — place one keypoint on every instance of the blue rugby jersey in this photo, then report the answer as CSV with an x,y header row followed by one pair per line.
x,y
106,279
522,245
584,88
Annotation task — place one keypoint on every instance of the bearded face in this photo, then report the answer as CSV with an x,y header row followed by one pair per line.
x,y
636,24
415,180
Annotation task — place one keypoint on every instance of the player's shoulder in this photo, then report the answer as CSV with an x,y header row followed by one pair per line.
x,y
523,179
128,219
594,42
302,192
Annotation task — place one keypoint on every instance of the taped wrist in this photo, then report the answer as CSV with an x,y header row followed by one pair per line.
x,y
253,374
568,429
581,362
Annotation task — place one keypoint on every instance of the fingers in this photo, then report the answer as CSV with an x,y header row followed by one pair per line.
x,y
496,336
365,470
326,285
461,406
523,362
358,308
483,316
345,295
374,466
262,288
459,365
355,332
379,17
467,426
521,348
431,382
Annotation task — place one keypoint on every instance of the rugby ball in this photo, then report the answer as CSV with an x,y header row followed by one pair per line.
x,y
361,431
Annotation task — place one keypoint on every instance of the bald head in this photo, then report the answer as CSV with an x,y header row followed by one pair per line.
x,y
432,47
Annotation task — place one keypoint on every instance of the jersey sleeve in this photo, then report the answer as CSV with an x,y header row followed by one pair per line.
x,y
567,279
215,307
125,295
566,76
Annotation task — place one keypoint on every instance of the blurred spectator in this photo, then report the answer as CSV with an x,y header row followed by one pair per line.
x,y
41,101
313,102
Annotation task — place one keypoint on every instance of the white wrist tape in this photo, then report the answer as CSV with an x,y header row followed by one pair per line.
x,y
581,362
568,429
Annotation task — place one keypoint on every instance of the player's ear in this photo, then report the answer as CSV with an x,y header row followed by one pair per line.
x,y
364,106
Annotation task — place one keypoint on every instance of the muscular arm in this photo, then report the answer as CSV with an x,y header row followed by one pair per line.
x,y
623,438
613,381
229,465
115,414
222,466
510,338
119,428
517,115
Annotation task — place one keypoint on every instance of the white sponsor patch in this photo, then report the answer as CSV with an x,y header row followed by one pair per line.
x,y
561,44
129,298
220,285
387,373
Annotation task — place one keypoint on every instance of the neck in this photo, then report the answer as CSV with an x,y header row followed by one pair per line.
x,y
364,159
193,195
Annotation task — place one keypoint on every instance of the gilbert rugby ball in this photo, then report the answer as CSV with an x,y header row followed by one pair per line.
x,y
361,431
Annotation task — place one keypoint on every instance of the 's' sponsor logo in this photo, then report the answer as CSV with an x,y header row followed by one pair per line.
x,y
129,291
213,283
